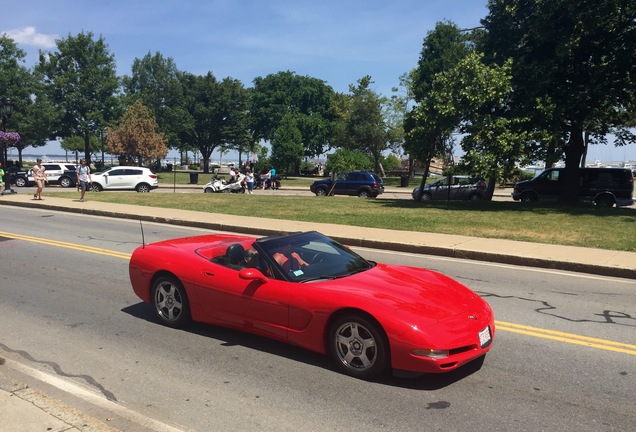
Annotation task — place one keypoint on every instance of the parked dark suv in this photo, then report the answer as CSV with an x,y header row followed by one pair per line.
x,y
357,183
605,187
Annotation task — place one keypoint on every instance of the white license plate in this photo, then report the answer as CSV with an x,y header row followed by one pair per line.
x,y
484,337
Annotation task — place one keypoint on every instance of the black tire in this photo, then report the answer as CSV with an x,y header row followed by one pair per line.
x,y
426,197
143,188
358,346
20,182
528,197
321,192
208,190
170,302
96,187
364,193
65,182
474,197
604,201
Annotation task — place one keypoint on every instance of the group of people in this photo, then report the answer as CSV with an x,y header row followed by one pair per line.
x,y
83,173
250,179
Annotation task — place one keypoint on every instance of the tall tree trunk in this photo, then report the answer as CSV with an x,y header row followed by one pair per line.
x,y
87,148
418,195
573,151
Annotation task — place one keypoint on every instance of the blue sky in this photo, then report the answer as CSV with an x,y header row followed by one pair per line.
x,y
335,41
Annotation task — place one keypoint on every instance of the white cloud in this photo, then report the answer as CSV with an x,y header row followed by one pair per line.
x,y
30,36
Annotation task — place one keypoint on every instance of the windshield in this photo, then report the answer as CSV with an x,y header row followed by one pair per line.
x,y
311,256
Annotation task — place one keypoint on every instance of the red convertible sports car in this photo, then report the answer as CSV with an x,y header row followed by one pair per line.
x,y
308,290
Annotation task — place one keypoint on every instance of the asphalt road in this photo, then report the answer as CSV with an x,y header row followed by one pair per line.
x,y
68,312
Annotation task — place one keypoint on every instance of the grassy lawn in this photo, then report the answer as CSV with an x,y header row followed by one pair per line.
x,y
584,226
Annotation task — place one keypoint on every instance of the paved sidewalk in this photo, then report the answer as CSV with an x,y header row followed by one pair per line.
x,y
25,410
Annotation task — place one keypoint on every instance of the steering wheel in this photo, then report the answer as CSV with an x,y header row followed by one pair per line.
x,y
318,258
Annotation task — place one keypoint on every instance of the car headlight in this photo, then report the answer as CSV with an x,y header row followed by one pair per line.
x,y
430,353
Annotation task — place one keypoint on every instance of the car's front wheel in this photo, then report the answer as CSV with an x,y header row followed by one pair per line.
x,y
321,192
208,190
143,188
66,182
170,301
528,197
20,182
426,197
358,346
96,187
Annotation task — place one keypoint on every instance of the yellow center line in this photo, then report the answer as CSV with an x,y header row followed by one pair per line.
x,y
500,325
567,337
66,245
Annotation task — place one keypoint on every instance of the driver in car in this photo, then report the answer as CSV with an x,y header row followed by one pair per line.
x,y
289,260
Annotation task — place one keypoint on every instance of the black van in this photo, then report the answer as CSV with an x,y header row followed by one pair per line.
x,y
602,186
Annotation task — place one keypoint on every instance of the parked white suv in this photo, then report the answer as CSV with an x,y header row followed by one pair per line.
x,y
125,178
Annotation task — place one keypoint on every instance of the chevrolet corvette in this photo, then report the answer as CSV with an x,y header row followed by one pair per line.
x,y
308,290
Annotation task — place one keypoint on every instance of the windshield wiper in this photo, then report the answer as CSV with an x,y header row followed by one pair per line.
x,y
324,277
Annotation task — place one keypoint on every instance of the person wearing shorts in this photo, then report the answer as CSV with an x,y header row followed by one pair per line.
x,y
39,175
83,178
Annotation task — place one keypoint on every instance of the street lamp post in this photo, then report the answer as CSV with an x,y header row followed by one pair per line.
x,y
104,136
6,109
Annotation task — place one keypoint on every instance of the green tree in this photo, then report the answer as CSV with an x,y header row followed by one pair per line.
x,y
476,97
136,138
237,131
344,160
573,69
80,80
287,145
32,116
155,80
75,144
288,96
367,126
218,114
427,133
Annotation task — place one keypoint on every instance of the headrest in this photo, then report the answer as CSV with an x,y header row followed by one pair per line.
x,y
235,253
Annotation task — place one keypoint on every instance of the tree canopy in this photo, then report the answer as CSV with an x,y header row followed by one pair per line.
x,y
80,80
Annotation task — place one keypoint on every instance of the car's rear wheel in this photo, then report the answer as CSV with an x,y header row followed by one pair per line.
x,y
143,188
96,187
364,193
20,182
170,301
65,182
321,192
358,346
604,201
474,197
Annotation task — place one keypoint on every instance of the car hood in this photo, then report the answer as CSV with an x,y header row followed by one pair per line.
x,y
420,291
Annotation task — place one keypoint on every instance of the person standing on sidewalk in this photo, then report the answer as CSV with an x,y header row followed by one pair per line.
x,y
2,177
249,181
39,175
83,178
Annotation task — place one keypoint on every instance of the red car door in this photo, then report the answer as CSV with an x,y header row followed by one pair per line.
x,y
256,306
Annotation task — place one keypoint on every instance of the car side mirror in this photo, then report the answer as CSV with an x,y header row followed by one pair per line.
x,y
252,274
